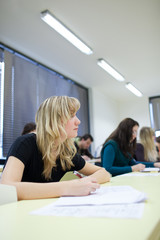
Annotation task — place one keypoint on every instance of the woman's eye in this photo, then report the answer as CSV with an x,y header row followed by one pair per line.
x,y
73,115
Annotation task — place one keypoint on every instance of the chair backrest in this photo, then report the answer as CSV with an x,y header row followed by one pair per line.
x,y
69,176
8,194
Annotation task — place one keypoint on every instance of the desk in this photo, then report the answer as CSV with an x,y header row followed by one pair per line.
x,y
16,223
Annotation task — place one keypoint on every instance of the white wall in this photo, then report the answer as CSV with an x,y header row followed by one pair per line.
x,y
138,109
106,113
103,117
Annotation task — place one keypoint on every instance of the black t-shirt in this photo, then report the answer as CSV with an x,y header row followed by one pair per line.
x,y
26,150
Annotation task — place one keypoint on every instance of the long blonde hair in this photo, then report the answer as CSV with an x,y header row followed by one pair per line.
x,y
146,138
51,119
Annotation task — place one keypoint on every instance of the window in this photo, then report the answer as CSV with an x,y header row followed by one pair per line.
x,y
154,105
1,101
24,85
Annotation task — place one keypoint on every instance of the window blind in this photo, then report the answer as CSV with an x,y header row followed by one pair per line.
x,y
27,85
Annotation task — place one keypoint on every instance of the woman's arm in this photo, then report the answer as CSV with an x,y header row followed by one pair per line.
x,y
108,160
97,173
156,164
13,172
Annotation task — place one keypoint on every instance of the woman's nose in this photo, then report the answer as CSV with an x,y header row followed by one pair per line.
x,y
78,121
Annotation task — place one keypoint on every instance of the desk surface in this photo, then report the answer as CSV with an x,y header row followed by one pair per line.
x,y
16,223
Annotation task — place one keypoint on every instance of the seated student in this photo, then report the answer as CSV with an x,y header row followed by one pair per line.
x,y
29,128
36,162
82,144
118,149
146,149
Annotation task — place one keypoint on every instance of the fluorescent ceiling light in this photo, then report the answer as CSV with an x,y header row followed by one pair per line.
x,y
133,89
53,22
103,64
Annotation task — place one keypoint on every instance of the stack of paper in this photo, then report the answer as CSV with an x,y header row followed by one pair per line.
x,y
105,195
115,201
149,169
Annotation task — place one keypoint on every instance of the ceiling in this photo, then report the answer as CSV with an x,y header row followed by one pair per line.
x,y
125,33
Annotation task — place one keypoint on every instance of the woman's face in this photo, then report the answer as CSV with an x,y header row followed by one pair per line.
x,y
134,132
72,127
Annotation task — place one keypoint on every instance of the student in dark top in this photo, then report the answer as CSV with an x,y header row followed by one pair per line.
x,y
118,149
82,144
29,128
36,162
158,146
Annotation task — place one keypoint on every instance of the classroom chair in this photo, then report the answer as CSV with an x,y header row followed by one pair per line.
x,y
8,194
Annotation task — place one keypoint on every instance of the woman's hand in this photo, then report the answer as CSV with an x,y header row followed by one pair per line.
x,y
81,187
97,173
138,167
157,164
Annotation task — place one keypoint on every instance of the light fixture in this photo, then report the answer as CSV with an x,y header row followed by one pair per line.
x,y
53,22
133,89
103,64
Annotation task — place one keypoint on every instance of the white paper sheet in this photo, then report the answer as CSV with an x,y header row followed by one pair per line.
x,y
93,160
149,169
144,174
109,211
108,201
105,195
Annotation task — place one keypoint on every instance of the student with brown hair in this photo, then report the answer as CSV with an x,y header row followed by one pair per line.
x,y
118,150
29,128
82,144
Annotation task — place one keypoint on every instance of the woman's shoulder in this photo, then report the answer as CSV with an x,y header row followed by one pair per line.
x,y
23,146
30,137
24,140
110,145
111,142
139,146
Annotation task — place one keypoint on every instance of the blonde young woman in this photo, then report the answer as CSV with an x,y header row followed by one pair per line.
x,y
36,162
146,149
158,146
